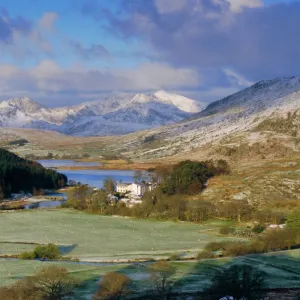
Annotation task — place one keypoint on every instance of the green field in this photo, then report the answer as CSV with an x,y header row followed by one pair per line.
x,y
94,237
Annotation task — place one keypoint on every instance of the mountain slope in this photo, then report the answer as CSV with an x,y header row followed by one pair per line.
x,y
114,114
265,115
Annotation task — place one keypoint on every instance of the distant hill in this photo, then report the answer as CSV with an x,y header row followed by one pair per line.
x,y
114,114
18,174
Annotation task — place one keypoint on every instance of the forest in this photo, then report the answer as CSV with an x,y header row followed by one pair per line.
x,y
18,174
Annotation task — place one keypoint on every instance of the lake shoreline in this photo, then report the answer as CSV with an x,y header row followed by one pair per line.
x,y
103,164
109,166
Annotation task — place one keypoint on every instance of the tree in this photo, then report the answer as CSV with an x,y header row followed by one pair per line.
x,y
113,286
109,185
187,177
99,201
293,221
161,273
78,197
1,193
18,174
238,281
138,176
236,210
53,282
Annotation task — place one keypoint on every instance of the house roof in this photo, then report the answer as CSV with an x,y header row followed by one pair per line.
x,y
123,184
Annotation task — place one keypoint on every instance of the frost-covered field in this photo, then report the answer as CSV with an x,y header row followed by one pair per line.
x,y
282,270
91,237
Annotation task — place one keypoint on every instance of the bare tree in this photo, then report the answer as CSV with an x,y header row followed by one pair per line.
x,y
138,176
99,201
161,273
109,185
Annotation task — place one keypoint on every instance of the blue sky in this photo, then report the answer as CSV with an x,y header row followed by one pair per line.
x,y
66,52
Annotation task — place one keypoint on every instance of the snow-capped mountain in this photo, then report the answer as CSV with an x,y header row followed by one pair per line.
x,y
270,105
114,114
256,98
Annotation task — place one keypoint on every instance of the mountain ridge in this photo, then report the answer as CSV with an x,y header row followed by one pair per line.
x,y
114,114
237,121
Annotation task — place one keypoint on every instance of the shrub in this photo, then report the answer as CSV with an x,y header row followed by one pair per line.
x,y
27,255
217,246
225,230
205,254
175,256
259,228
113,286
48,252
278,239
237,249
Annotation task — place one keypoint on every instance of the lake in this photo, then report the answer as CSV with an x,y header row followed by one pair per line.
x,y
94,178
44,204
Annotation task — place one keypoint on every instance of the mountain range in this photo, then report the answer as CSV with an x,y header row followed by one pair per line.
x,y
264,116
113,115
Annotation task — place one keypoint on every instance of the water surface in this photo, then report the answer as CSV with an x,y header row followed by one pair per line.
x,y
93,178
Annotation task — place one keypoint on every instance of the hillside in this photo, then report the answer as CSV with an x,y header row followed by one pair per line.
x,y
260,120
18,174
112,115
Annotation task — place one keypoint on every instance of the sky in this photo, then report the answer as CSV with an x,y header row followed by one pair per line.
x,y
67,52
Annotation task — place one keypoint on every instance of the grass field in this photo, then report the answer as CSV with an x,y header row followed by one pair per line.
x,y
94,237
282,271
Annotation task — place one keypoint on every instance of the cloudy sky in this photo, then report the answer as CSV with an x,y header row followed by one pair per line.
x,y
63,52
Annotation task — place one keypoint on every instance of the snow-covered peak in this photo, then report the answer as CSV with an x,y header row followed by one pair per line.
x,y
22,103
112,114
181,102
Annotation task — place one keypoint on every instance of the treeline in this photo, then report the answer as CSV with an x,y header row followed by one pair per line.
x,y
159,205
18,174
188,177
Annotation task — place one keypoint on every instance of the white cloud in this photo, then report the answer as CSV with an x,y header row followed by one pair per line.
x,y
49,83
236,78
169,6
238,5
160,76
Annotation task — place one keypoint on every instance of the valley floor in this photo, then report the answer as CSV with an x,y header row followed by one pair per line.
x,y
282,268
92,237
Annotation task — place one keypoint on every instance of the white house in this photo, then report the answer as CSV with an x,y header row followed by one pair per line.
x,y
123,188
139,189
133,188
